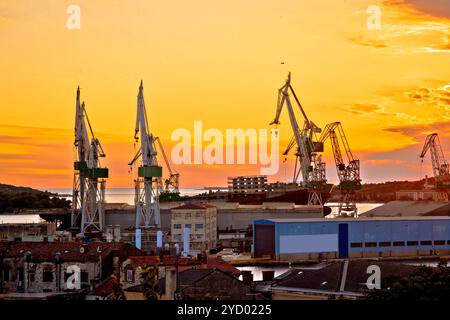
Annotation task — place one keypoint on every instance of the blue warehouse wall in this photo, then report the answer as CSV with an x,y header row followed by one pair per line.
x,y
363,235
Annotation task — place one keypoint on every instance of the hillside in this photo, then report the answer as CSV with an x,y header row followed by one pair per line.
x,y
14,199
382,192
11,188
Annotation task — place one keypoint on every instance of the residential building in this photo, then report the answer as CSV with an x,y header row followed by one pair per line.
x,y
27,231
45,267
201,219
198,284
130,273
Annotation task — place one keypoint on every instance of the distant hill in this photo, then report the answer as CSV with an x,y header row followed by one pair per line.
x,y
382,192
14,199
11,188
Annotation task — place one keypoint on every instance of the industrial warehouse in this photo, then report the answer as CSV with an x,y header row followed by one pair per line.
x,y
317,239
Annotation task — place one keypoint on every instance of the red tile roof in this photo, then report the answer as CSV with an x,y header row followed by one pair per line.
x,y
193,206
70,251
188,263
105,288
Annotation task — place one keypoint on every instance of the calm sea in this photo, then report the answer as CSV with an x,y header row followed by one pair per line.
x,y
126,195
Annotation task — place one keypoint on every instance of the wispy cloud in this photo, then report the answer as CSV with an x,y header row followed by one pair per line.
x,y
5,20
406,29
365,109
368,42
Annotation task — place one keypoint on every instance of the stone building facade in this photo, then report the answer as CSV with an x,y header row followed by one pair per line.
x,y
36,267
201,219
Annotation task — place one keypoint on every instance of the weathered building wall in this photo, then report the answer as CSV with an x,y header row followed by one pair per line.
x,y
219,284
226,218
35,275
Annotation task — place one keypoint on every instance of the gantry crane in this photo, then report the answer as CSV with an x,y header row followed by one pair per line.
x,y
348,172
441,170
89,178
149,172
172,183
308,158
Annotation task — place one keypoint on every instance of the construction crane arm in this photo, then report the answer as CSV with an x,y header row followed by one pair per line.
x,y
441,168
290,145
166,160
428,142
280,103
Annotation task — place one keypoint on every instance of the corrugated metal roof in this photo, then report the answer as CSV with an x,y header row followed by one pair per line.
x,y
408,208
330,220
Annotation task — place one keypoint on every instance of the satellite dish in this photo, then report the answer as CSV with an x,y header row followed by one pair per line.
x,y
81,249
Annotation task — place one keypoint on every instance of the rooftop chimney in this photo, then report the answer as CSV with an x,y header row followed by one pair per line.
x,y
247,277
171,282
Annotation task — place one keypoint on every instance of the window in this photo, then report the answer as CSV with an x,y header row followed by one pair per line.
x,y
385,244
399,243
177,226
6,274
199,226
439,242
426,243
370,244
31,276
356,245
412,243
188,225
20,272
130,277
84,276
47,275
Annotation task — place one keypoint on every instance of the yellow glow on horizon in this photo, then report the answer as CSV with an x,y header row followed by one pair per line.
x,y
220,62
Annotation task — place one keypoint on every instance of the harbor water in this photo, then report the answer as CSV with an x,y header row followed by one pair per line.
x,y
126,195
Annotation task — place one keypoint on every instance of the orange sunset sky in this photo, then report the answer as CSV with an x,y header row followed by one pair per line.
x,y
220,61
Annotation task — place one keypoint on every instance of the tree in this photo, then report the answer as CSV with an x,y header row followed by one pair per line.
x,y
149,282
118,293
425,284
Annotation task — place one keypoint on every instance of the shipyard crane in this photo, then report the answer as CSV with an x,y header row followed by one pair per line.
x,y
348,172
172,183
149,172
308,160
440,166
89,177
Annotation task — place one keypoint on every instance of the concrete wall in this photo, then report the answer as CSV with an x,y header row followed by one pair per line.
x,y
226,218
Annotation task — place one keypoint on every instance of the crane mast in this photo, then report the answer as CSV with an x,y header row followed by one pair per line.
x,y
441,170
308,161
149,172
348,174
89,177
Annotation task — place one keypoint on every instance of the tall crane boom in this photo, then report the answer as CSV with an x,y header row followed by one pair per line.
x,y
89,177
348,172
172,183
441,170
149,172
308,161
